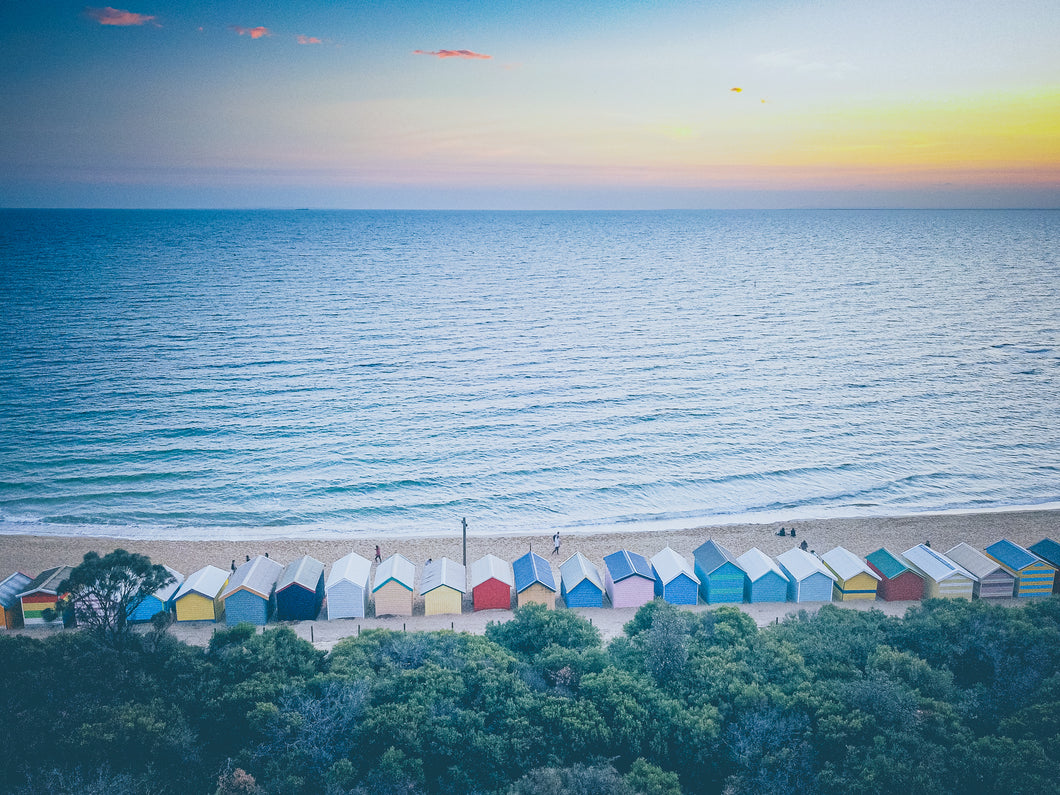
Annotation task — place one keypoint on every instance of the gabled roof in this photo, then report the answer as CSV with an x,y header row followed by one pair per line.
x,y
207,582
11,587
668,565
757,564
305,572
845,564
352,568
1048,550
973,560
801,564
444,572
889,564
491,567
625,564
164,593
711,556
48,580
577,568
397,568
1012,555
934,564
532,568
258,575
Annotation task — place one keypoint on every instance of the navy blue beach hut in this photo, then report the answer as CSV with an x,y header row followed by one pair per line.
x,y
675,580
161,601
721,578
250,595
765,580
580,582
300,590
1049,551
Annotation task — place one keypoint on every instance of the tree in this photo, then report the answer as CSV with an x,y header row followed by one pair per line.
x,y
103,592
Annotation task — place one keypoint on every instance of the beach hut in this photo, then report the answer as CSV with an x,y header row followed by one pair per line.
x,y
991,578
491,584
10,604
42,594
161,601
395,579
580,582
809,580
1049,551
534,581
898,582
250,595
675,579
765,582
443,587
1034,577
300,590
720,577
853,577
628,579
196,599
942,577
346,588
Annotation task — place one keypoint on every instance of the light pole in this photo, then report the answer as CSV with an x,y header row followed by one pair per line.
x,y
464,522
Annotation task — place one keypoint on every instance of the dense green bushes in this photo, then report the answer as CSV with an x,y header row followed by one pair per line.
x,y
957,696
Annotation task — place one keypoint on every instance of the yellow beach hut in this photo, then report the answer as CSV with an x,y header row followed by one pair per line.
x,y
854,578
443,587
394,581
1034,577
197,598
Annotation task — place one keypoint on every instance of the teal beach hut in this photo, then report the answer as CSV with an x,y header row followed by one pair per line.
x,y
765,580
721,579
161,601
1049,551
250,595
580,582
675,579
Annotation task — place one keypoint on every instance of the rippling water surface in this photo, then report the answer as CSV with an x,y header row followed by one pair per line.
x,y
246,374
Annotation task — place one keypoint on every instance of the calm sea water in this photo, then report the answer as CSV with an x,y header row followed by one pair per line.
x,y
251,374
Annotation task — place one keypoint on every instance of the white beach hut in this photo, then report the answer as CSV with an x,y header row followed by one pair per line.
x,y
346,589
942,577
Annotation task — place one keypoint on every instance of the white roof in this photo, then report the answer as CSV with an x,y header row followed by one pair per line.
x,y
166,591
352,568
207,581
396,567
443,572
577,568
973,561
934,564
258,575
801,564
669,566
846,564
491,567
757,564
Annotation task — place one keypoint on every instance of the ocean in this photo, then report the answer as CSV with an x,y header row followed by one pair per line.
x,y
247,375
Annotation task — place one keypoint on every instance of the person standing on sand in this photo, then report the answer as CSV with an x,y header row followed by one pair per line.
x,y
555,543
378,557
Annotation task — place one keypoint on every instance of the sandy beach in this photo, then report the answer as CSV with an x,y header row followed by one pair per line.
x,y
33,554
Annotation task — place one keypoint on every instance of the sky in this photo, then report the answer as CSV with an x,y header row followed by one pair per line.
x,y
539,104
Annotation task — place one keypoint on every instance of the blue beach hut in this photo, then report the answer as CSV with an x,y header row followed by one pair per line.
x,y
161,601
1034,576
1049,551
300,590
534,581
720,577
580,582
10,604
347,587
765,581
809,580
675,580
250,595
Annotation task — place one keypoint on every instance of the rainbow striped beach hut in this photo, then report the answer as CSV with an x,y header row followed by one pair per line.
x,y
1034,577
42,594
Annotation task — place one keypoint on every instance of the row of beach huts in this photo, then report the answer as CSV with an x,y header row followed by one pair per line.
x,y
262,589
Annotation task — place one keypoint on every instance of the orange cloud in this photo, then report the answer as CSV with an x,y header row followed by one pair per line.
x,y
453,54
308,39
254,33
117,17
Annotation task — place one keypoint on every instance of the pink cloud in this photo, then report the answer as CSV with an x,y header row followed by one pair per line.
x,y
254,33
453,54
115,16
308,39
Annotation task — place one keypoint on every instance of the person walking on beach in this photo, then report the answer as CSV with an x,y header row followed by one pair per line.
x,y
378,557
555,543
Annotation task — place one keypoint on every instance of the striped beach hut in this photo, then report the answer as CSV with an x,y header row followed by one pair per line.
x,y
196,599
161,601
346,589
898,582
1034,577
720,577
991,578
491,583
675,579
766,582
42,594
1049,551
942,577
809,580
580,582
628,579
534,580
395,580
300,590
853,577
250,595
443,587
10,604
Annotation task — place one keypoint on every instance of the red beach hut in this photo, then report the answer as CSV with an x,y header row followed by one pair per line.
x,y
491,584
898,582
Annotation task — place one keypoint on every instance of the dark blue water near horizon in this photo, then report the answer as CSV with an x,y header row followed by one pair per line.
x,y
246,374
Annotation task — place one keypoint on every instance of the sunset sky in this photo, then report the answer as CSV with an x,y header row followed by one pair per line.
x,y
535,104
